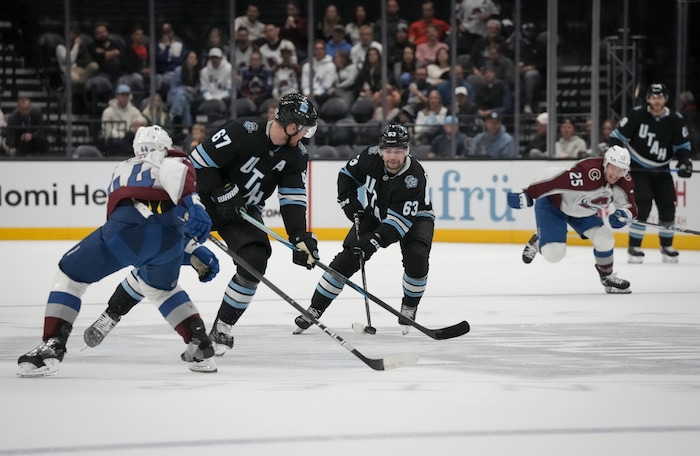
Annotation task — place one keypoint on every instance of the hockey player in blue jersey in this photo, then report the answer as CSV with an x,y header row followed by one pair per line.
x,y
152,203
398,210
238,169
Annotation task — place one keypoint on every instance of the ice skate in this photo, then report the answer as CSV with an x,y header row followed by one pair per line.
x,y
530,249
635,255
410,312
614,285
43,360
221,337
96,332
669,254
303,323
200,356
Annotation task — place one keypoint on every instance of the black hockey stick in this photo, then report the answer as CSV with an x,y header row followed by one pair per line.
x,y
675,228
389,362
448,332
368,329
659,170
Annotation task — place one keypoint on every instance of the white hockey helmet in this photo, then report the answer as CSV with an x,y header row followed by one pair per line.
x,y
148,139
618,156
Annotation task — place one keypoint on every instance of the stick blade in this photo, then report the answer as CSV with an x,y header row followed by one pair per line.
x,y
363,329
449,332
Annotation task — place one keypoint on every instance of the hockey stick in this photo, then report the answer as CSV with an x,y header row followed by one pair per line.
x,y
389,362
659,170
448,332
677,229
368,329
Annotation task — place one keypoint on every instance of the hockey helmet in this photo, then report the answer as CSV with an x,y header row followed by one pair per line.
x,y
148,139
296,108
657,88
394,135
618,156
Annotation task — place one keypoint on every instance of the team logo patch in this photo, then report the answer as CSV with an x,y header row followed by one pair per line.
x,y
595,174
250,126
411,181
373,150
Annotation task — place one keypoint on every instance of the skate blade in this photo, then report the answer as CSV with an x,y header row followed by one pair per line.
x,y
635,259
298,330
29,370
206,366
669,259
613,290
405,329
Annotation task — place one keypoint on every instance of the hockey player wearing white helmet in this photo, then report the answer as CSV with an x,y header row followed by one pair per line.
x,y
149,196
578,196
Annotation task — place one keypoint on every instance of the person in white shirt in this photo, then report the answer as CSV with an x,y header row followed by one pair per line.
x,y
325,75
256,29
358,51
215,78
270,50
569,145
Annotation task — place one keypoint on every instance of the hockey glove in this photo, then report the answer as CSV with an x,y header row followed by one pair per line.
x,y
685,168
205,263
366,246
197,221
620,218
519,200
351,206
307,250
229,202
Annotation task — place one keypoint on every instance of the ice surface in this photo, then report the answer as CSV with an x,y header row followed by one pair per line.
x,y
552,365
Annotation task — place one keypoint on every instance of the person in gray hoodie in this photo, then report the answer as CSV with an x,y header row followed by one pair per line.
x,y
494,142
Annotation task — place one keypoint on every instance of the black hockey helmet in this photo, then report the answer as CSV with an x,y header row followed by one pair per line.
x,y
394,135
657,88
296,108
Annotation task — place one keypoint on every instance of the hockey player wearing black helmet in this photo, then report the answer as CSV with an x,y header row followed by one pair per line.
x,y
398,209
238,168
654,135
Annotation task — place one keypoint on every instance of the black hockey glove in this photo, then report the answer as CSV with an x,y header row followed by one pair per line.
x,y
307,250
229,202
351,206
366,246
685,168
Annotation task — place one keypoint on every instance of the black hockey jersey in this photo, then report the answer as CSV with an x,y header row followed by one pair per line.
x,y
396,200
241,153
653,141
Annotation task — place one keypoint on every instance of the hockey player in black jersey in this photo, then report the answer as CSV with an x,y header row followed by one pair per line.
x,y
238,168
398,210
654,135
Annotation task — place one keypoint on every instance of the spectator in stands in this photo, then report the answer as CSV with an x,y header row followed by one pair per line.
x,y
426,52
120,120
346,74
369,79
604,144
256,81
472,16
197,135
690,111
24,132
270,49
399,43
537,148
338,42
242,49
359,50
331,18
430,119
569,145
156,113
405,68
295,29
533,60
184,94
215,77
352,29
393,22
494,142
439,69
107,54
286,78
441,145
250,20
445,87
82,66
465,107
419,88
493,95
324,74
215,38
505,70
170,54
136,62
417,30
479,53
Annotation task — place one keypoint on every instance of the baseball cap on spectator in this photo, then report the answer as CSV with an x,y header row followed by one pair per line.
x,y
339,28
542,118
528,25
122,88
409,111
451,120
402,25
493,115
461,90
286,46
215,52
